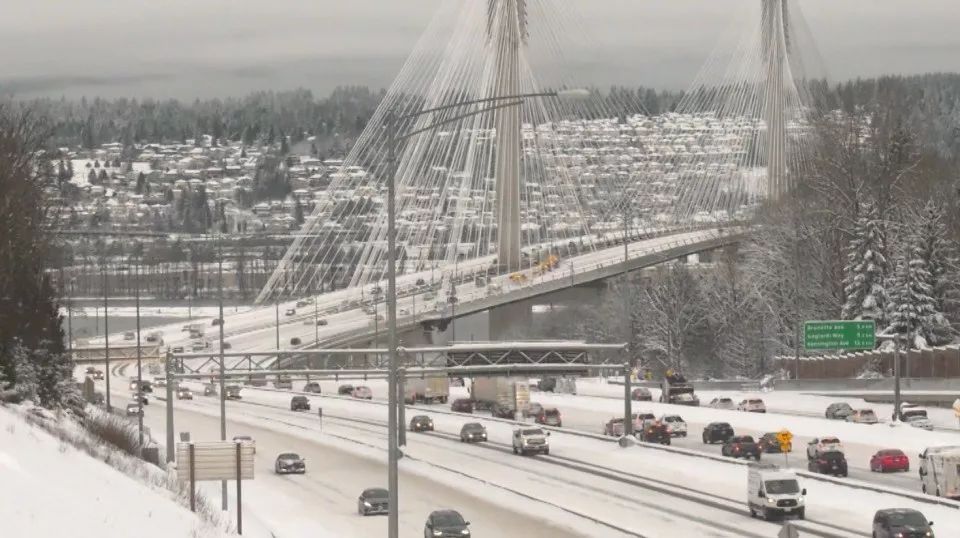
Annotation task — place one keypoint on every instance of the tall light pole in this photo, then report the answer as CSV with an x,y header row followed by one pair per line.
x,y
393,124
897,339
139,365
223,399
70,317
106,336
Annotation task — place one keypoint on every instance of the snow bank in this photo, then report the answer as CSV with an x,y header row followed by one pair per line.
x,y
51,489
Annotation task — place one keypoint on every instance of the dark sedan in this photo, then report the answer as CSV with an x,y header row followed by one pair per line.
x,y
374,501
901,523
462,405
345,390
421,423
289,462
446,524
717,432
473,432
742,446
833,463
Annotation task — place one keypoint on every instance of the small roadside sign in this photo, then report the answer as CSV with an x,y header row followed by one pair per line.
x,y
784,437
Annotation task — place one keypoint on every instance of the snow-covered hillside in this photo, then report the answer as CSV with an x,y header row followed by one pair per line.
x,y
49,488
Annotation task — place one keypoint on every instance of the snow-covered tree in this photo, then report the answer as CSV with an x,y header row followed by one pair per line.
x,y
866,270
912,309
676,317
935,250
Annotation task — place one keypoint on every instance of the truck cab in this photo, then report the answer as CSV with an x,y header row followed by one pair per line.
x,y
773,491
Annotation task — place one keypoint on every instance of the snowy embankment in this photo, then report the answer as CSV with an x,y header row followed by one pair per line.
x,y
50,488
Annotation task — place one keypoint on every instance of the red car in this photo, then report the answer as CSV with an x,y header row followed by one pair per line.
x,y
889,460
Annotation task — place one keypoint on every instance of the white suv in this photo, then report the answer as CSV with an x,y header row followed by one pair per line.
x,y
752,405
863,416
530,440
675,425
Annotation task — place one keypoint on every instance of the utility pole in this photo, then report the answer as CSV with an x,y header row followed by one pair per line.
x,y
139,366
896,377
316,318
106,336
393,483
627,402
276,306
223,399
70,318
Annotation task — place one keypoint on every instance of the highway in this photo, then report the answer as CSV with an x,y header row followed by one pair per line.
x,y
559,495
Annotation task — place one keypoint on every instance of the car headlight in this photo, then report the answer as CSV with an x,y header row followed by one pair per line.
x,y
438,533
367,504
770,500
465,532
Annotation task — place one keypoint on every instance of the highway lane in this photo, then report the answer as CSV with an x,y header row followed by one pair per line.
x,y
325,497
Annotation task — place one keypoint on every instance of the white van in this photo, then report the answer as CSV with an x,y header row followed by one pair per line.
x,y
940,472
774,491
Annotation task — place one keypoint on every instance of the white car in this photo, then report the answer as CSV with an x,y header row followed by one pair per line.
x,y
721,403
752,405
822,445
675,425
863,416
917,421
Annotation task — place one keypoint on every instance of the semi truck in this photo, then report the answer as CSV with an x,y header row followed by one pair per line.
x,y
674,389
507,393
940,472
426,390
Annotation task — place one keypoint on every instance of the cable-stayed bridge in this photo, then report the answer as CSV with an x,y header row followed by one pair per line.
x,y
506,200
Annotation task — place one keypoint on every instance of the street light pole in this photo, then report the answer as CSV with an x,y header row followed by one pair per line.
x,y
393,138
393,523
223,399
276,306
139,366
106,337
70,317
896,377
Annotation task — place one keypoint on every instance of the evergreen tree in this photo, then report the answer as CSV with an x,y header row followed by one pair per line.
x,y
866,270
103,175
298,212
92,177
284,145
911,305
935,251
141,183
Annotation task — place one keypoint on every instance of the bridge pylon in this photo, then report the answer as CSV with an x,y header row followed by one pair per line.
x,y
507,27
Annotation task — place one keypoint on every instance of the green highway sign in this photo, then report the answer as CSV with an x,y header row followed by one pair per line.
x,y
840,335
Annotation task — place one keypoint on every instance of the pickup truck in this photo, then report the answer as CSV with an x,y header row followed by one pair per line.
x,y
741,446
530,440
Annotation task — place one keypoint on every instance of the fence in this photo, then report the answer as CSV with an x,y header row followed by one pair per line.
x,y
935,362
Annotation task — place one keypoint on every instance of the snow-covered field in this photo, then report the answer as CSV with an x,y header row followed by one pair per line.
x,y
50,489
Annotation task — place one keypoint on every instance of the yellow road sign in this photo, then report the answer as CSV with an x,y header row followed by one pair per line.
x,y
784,437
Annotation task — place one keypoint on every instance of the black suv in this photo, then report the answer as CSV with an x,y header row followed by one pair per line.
x,y
345,390
313,387
741,446
421,423
446,524
901,523
717,431
299,403
473,432
833,462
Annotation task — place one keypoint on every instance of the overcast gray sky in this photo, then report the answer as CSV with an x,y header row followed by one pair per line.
x,y
205,48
